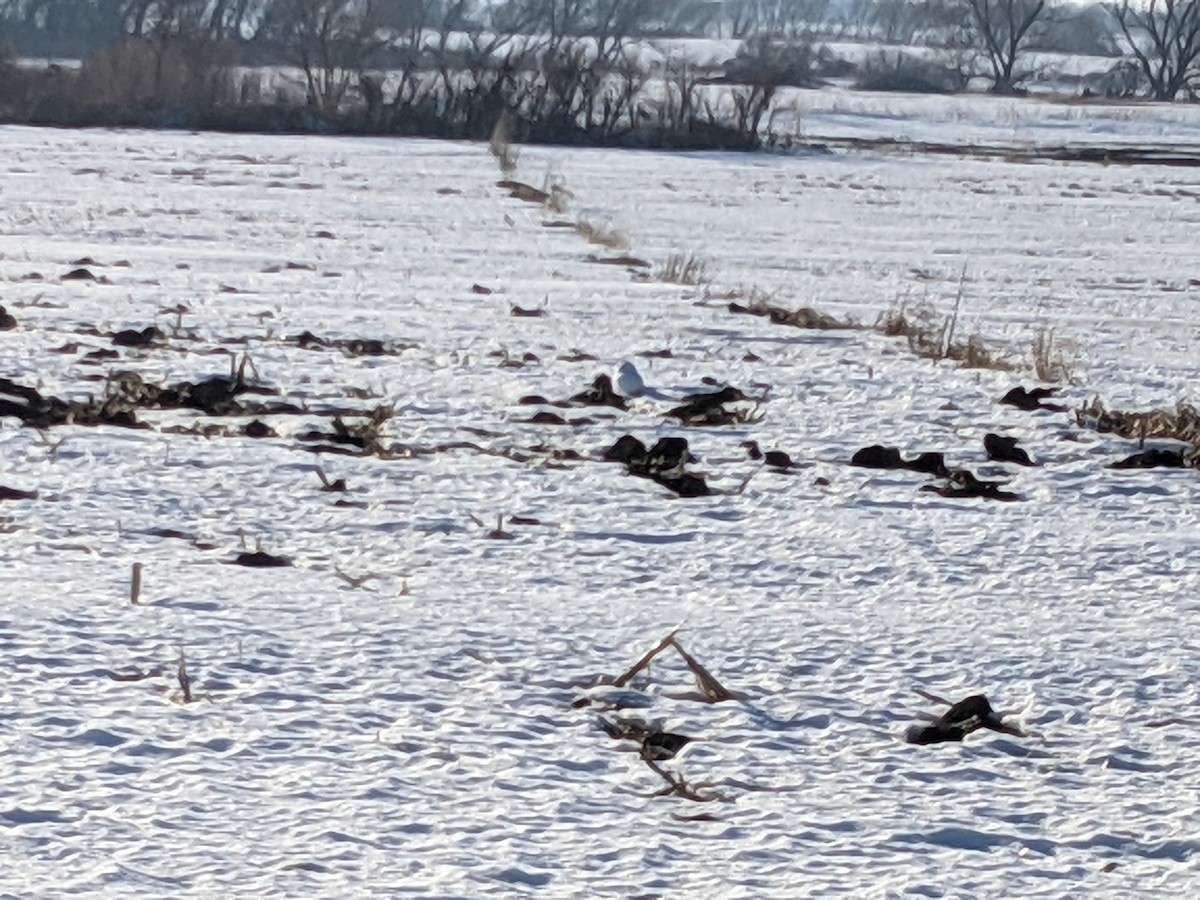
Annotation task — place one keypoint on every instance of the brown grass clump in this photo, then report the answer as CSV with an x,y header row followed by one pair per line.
x,y
917,323
1180,424
896,321
976,354
933,338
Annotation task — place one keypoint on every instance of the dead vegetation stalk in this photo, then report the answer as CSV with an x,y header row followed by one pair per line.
x,y
713,690
185,681
135,583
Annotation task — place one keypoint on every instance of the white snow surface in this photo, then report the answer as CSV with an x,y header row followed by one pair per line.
x,y
418,735
985,120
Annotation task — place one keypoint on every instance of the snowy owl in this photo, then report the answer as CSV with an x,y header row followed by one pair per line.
x,y
628,381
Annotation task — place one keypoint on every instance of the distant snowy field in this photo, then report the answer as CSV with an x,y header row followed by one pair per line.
x,y
418,736
988,120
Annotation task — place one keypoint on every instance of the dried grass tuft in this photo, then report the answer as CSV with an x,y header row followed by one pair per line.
x,y
976,354
1181,423
602,234
932,337
683,268
1050,362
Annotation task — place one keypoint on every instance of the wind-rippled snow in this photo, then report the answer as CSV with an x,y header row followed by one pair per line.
x,y
419,737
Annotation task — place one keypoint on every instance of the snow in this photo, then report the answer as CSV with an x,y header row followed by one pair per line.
x,y
418,734
986,120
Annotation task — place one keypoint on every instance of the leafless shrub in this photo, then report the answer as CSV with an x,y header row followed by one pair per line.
x,y
158,72
683,268
712,691
900,71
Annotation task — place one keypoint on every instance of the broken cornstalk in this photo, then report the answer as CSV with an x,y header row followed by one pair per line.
x,y
713,690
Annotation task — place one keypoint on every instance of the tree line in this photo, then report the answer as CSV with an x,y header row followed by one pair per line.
x,y
558,70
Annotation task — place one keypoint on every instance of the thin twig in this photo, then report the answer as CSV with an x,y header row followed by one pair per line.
x,y
949,342
352,580
934,698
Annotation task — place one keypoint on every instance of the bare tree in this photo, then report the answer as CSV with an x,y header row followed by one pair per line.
x,y
1164,37
165,19
889,21
77,26
782,18
686,18
1001,29
585,78
331,41
229,18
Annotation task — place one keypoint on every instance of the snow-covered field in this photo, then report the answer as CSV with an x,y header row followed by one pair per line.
x,y
418,735
986,120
